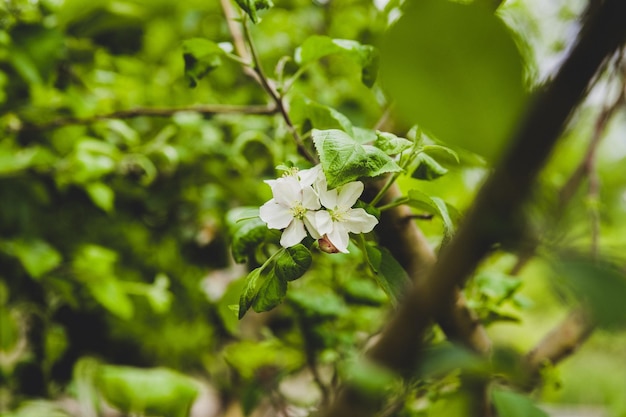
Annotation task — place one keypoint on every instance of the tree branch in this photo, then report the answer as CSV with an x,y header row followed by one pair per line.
x,y
405,241
559,343
241,38
206,110
498,203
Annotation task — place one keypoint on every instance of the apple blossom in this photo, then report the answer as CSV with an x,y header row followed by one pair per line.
x,y
339,219
292,208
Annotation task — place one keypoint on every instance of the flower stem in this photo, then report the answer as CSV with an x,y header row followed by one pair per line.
x,y
384,189
394,203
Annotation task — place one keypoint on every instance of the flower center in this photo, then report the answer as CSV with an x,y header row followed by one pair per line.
x,y
291,172
298,211
337,215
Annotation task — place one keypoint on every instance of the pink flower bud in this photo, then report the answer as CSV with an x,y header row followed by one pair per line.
x,y
326,245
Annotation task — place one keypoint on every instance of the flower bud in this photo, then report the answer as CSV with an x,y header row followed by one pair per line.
x,y
326,245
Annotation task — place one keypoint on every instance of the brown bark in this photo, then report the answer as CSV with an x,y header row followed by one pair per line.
x,y
559,343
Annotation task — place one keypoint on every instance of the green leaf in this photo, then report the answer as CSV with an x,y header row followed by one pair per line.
x,y
427,168
110,293
441,154
37,256
248,357
319,116
364,136
344,159
251,7
455,70
318,303
201,56
102,195
271,293
496,285
293,262
156,391
14,159
9,330
361,291
94,260
158,294
600,285
512,404
316,47
94,266
368,377
391,144
250,291
249,234
389,274
434,205
442,358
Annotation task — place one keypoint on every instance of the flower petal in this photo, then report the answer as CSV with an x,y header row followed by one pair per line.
x,y
349,193
339,237
323,222
308,176
311,224
310,199
293,234
287,191
328,198
359,221
275,215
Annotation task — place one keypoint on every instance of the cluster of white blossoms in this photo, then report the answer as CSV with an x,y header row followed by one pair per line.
x,y
303,203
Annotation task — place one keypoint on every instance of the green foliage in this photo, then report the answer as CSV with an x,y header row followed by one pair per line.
x,y
512,404
201,56
266,286
249,358
371,379
427,168
37,256
389,274
600,285
247,232
251,7
471,95
306,112
391,144
366,56
434,205
158,391
495,297
344,159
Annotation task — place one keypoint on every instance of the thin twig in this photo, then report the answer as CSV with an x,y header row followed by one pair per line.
x,y
244,46
558,344
276,97
206,110
238,39
574,181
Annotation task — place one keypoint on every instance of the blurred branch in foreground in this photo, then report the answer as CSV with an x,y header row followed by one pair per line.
x,y
500,198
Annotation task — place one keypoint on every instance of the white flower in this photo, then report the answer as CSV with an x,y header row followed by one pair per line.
x,y
311,176
340,218
292,208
